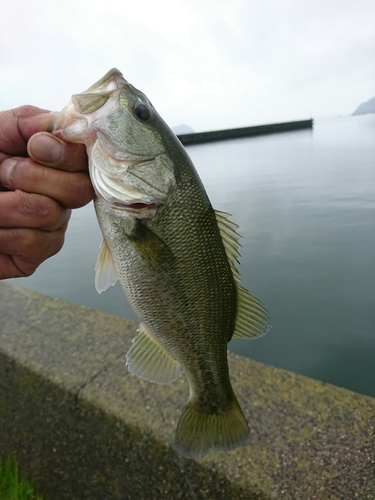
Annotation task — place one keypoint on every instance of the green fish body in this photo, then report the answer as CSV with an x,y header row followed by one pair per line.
x,y
173,255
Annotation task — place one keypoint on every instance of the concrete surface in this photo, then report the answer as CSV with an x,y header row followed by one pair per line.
x,y
83,428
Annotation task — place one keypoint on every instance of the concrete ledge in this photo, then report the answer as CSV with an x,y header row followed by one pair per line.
x,y
83,428
234,133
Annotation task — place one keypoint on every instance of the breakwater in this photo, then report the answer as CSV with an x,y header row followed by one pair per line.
x,y
82,428
234,133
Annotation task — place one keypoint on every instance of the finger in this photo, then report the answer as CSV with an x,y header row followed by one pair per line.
x,y
72,190
29,210
23,250
51,151
18,125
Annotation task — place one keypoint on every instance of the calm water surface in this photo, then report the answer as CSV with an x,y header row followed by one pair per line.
x,y
305,203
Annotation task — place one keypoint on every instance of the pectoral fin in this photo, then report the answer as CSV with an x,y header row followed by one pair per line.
x,y
105,274
148,360
149,245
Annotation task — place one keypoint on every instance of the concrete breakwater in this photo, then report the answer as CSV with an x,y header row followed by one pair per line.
x,y
234,133
82,428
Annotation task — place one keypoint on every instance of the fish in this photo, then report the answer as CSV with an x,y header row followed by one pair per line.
x,y
174,255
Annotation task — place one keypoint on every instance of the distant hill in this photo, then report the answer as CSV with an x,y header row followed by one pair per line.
x,y
182,129
366,107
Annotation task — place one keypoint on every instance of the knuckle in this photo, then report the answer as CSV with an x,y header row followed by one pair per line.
x,y
35,246
26,269
21,173
45,212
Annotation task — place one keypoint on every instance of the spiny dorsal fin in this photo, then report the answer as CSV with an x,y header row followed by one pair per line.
x,y
148,360
105,274
230,237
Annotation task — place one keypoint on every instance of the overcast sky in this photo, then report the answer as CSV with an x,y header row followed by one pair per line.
x,y
208,63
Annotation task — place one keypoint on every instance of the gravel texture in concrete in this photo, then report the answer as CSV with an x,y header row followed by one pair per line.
x,y
83,428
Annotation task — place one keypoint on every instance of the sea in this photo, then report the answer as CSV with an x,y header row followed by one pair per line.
x,y
305,205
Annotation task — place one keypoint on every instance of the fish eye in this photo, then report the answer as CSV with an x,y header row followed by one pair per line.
x,y
141,111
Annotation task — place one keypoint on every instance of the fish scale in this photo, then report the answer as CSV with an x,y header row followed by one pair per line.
x,y
174,256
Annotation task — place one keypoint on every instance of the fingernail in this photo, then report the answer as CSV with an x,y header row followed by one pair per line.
x,y
45,148
6,169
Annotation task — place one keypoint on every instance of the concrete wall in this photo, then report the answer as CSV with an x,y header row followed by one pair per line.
x,y
233,133
83,428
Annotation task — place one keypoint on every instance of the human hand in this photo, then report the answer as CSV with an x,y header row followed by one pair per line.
x,y
41,178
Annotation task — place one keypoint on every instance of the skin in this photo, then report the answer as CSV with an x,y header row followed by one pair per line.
x,y
41,179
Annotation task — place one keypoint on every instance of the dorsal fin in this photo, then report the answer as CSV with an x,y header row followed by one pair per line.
x,y
230,237
252,318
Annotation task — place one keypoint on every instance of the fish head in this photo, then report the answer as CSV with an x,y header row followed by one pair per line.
x,y
125,141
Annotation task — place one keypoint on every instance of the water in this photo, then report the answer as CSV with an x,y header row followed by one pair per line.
x,y
305,203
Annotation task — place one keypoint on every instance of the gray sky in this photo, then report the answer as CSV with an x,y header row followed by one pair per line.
x,y
208,63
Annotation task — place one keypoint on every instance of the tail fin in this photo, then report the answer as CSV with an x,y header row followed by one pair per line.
x,y
199,432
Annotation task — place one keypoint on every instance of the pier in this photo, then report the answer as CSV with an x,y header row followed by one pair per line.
x,y
82,428
235,133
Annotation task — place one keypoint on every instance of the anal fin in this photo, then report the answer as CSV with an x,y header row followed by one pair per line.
x,y
148,360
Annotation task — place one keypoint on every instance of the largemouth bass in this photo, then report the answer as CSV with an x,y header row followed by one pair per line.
x,y
174,255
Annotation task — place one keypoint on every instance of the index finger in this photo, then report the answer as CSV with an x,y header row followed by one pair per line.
x,y
18,125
